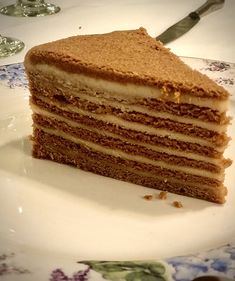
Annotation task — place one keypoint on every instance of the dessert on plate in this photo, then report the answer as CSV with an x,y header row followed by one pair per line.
x,y
122,105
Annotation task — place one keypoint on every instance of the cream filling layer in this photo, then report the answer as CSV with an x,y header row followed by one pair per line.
x,y
74,124
120,154
127,90
109,118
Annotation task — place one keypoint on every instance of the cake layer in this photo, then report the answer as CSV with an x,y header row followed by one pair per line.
x,y
200,116
126,57
219,141
154,165
53,120
75,119
44,122
50,138
76,83
63,151
100,111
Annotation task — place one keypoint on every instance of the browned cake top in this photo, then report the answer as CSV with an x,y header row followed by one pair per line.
x,y
126,56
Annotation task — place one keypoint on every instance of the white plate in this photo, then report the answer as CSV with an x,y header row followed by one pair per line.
x,y
51,210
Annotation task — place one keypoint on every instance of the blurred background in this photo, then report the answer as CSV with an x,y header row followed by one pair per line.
x,y
213,37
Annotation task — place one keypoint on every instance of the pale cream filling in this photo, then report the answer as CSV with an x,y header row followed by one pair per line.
x,y
109,118
140,159
127,90
74,124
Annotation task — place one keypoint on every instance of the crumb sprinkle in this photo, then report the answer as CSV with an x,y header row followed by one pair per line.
x,y
162,195
177,204
148,197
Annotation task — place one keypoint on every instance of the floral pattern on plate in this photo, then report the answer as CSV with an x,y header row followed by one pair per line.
x,y
218,262
13,75
59,275
9,268
215,262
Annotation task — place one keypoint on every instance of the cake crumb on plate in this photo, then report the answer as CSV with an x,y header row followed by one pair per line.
x,y
177,204
162,195
148,197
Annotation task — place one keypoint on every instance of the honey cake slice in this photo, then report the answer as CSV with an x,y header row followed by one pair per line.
x,y
123,106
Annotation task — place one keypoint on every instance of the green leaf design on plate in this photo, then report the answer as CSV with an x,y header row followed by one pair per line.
x,y
143,276
129,270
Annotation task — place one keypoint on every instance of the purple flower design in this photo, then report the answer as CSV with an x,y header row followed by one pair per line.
x,y
225,81
14,75
59,275
217,66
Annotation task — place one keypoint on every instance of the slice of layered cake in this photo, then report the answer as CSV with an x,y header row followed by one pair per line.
x,y
121,105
